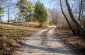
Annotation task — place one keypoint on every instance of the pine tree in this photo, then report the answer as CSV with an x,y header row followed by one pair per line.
x,y
40,13
25,8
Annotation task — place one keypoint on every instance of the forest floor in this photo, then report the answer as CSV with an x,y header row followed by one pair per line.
x,y
11,34
45,42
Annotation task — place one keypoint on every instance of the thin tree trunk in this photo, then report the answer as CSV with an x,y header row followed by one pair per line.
x,y
80,9
8,14
8,11
0,19
73,31
79,18
78,24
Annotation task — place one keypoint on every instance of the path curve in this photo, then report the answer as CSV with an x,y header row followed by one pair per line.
x,y
44,43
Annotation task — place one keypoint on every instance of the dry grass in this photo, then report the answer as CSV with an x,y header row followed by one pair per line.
x,y
32,24
76,41
10,33
27,24
14,31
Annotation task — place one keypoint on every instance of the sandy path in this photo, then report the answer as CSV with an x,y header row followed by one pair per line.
x,y
44,43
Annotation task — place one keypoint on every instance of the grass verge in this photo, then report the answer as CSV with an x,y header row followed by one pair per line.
x,y
77,42
10,34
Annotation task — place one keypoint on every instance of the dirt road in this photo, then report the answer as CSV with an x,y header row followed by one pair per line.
x,y
44,43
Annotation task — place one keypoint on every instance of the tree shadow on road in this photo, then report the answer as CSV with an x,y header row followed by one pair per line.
x,y
60,50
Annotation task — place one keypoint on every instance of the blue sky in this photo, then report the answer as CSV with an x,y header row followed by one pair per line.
x,y
47,3
13,11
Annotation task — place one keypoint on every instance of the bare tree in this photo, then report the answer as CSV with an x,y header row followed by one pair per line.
x,y
78,24
73,31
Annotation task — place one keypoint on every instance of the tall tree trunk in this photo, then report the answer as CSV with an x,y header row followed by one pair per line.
x,y
0,19
80,9
8,11
8,14
78,24
79,18
73,31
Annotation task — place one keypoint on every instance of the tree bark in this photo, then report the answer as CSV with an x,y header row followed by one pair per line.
x,y
78,24
80,9
8,11
73,31
79,18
